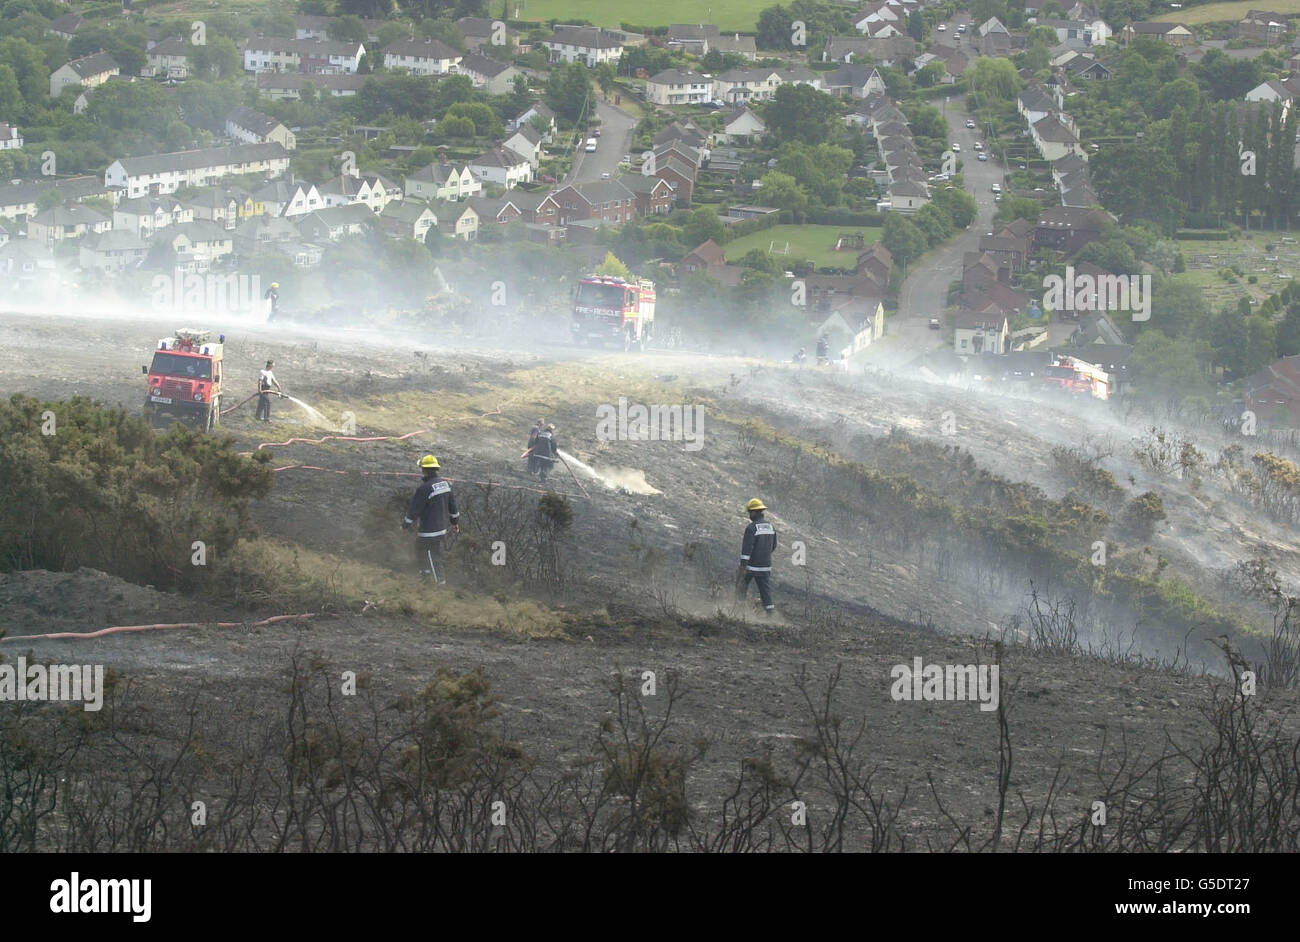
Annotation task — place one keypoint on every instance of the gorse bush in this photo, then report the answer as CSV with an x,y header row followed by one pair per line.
x,y
84,485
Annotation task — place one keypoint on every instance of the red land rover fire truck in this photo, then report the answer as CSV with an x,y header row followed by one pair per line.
x,y
185,379
608,310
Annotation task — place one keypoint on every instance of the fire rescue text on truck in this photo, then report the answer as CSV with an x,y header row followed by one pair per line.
x,y
609,310
185,379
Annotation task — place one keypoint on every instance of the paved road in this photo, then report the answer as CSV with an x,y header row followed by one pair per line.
x,y
616,127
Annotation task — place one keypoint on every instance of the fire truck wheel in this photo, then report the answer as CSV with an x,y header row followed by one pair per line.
x,y
216,412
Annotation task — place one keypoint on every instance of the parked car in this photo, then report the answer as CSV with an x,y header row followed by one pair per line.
x,y
996,188
605,175
956,148
982,157
941,28
934,324
591,145
970,123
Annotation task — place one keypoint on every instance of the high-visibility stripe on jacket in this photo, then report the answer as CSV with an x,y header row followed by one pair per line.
x,y
433,506
757,547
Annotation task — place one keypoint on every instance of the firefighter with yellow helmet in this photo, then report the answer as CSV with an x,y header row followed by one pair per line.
x,y
756,556
434,508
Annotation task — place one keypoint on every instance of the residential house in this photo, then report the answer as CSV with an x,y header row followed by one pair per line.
x,y
24,263
980,333
1090,70
692,38
291,197
314,56
422,56
1053,139
66,26
585,44
60,223
876,264
204,241
145,215
853,81
10,139
408,219
318,27
1176,34
255,127
709,259
1273,90
1067,229
214,205
908,196
734,44
492,75
479,31
826,293
1034,104
684,131
288,86
527,143
164,173
112,251
335,222
372,190
260,233
675,87
885,51
498,211
459,221
502,166
537,110
654,195
608,202
1263,26
1004,244
442,181
18,200
736,86
1087,33
1273,393
88,72
743,126
680,176
168,59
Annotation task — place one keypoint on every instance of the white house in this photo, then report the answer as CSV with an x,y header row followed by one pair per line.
x,y
165,173
410,220
743,125
10,139
535,110
1053,139
335,223
288,86
372,190
908,196
527,143
421,56
88,72
675,87
442,181
145,215
492,75
112,251
289,198
314,56
255,127
169,58
585,44
502,166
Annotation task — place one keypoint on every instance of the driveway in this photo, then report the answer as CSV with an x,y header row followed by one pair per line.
x,y
616,127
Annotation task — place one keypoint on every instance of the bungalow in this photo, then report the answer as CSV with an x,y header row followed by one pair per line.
x,y
1262,26
10,139
88,72
978,333
492,75
675,87
442,181
145,215
527,143
335,222
1176,34
165,173
502,166
422,56
255,127
853,81
707,258
112,251
205,241
1089,70
288,86
168,59
742,126
585,44
459,222
1088,32
314,56
408,219
66,222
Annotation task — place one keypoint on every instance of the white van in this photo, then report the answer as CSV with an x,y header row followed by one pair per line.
x,y
591,145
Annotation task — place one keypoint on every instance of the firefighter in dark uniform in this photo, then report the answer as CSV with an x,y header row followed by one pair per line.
x,y
532,444
434,508
545,450
756,556
823,351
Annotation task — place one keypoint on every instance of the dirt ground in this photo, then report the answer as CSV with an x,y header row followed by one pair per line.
x,y
473,408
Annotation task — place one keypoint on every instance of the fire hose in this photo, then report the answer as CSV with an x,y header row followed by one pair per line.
x,y
242,401
75,635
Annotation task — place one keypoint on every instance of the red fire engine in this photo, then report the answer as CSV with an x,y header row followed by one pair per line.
x,y
185,379
608,310
1077,376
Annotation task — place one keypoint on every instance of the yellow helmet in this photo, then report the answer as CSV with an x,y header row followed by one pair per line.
x,y
275,284
756,504
428,461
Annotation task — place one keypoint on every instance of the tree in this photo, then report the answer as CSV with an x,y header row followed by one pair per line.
x,y
454,128
995,79
348,28
11,96
783,191
801,113
703,224
366,9
217,58
486,122
568,89
917,28
904,240
930,74
959,205
613,267
605,76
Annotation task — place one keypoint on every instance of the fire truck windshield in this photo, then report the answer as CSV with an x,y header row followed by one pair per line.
x,y
173,364
604,297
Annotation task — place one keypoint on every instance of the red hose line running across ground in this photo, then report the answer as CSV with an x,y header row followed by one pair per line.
x,y
343,438
75,635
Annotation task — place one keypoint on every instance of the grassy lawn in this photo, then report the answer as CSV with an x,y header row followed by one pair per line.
x,y
1222,12
728,14
811,242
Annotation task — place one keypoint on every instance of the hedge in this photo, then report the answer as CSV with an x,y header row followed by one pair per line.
x,y
845,217
1203,235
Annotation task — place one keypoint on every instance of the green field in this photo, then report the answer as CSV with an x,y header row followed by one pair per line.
x,y
816,243
1223,12
728,14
